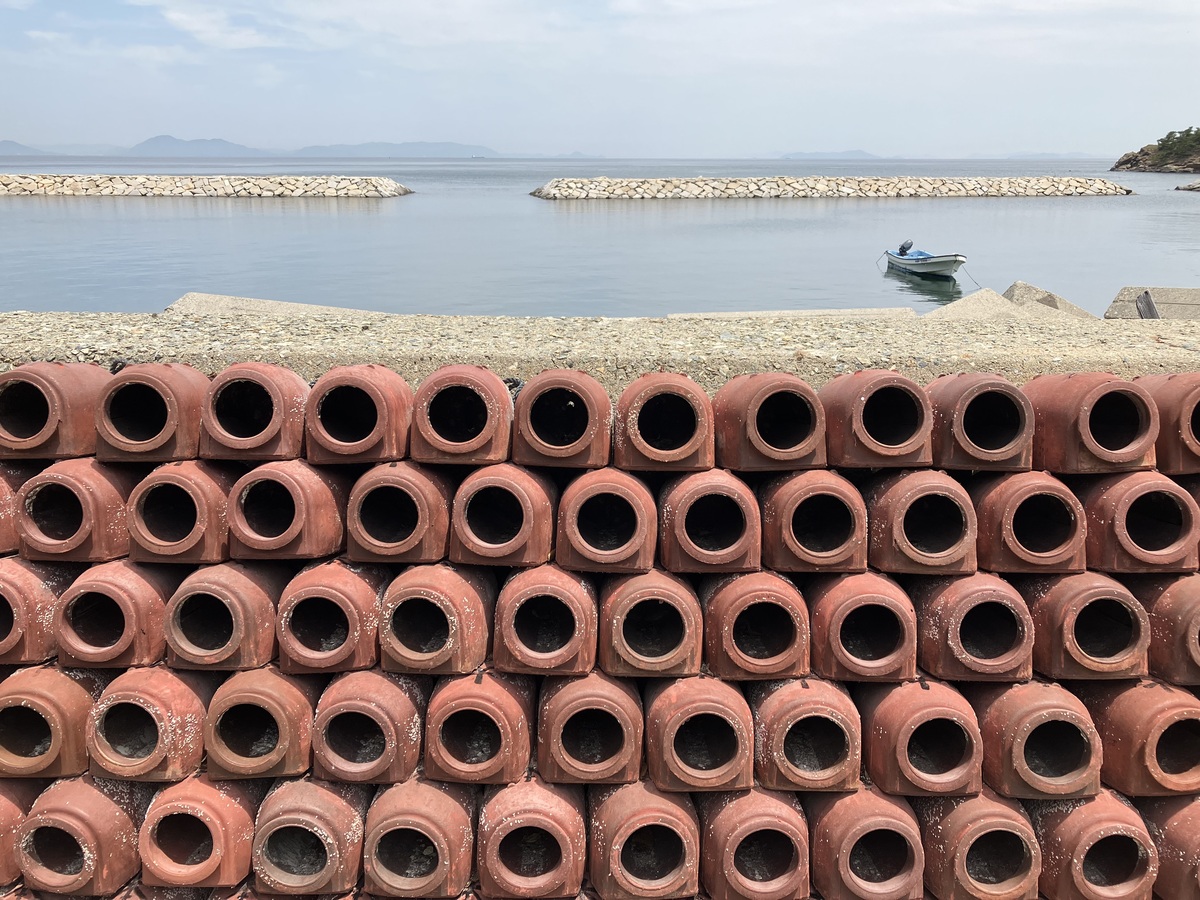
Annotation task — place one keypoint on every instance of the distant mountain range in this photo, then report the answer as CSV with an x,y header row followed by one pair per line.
x,y
12,148
832,154
166,146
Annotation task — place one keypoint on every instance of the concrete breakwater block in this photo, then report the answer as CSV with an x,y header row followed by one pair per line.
x,y
1172,303
817,186
241,186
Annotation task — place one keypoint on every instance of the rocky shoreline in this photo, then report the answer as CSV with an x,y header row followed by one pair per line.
x,y
199,186
604,188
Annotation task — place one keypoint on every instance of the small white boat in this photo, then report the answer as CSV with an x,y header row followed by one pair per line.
x,y
918,262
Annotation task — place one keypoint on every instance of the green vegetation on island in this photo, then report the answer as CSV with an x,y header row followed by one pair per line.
x,y
1176,151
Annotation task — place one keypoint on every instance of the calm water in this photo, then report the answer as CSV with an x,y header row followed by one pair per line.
x,y
471,240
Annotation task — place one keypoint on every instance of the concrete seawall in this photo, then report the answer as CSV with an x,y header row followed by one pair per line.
x,y
199,186
817,187
991,335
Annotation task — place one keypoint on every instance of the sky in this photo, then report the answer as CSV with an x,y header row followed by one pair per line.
x,y
619,78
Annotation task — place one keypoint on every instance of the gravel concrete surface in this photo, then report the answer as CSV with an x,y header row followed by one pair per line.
x,y
211,332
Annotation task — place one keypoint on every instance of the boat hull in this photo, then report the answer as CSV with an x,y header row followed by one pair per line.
x,y
945,265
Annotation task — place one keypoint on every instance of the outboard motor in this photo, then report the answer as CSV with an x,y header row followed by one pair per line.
x,y
905,247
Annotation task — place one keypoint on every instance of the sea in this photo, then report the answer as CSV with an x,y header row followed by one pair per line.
x,y
472,241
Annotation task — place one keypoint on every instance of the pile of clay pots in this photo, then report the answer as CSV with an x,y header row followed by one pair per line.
x,y
261,637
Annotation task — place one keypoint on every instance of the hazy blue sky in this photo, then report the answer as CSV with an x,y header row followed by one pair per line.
x,y
614,77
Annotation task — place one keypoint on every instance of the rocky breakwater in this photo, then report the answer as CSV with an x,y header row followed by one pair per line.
x,y
199,186
819,187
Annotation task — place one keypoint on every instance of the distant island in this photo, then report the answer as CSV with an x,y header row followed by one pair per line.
x,y
832,154
12,148
1176,151
166,146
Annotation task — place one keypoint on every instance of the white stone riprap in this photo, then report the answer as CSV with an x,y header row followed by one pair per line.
x,y
199,186
814,186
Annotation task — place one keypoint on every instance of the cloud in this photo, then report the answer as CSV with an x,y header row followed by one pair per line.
x,y
209,25
53,48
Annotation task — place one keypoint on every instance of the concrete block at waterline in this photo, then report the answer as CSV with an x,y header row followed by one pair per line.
x,y
399,512
198,833
420,839
862,840
150,412
980,422
146,725
642,842
1028,522
254,411
74,511
259,725
1177,450
178,513
920,738
503,516
1096,847
651,626
978,847
1038,740
545,623
771,421
308,837
863,628
1090,423
663,421
1140,522
607,522
288,510
223,616
1151,735
709,522
1172,302
1174,824
972,628
16,797
437,620
29,593
1086,626
755,627
531,841
813,521
562,418
479,728
48,409
756,845
44,712
1172,603
987,304
114,615
80,837
369,727
12,476
699,735
920,523
461,415
589,730
328,618
357,414
1022,294
877,419
808,735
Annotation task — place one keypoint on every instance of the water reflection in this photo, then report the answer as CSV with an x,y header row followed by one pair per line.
x,y
938,288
